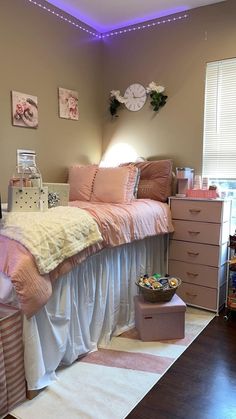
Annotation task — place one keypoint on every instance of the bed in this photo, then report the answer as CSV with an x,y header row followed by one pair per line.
x,y
87,297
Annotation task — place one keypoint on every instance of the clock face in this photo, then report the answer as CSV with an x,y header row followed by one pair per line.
x,y
135,97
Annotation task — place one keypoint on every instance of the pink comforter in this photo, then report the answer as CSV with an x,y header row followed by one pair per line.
x,y
118,223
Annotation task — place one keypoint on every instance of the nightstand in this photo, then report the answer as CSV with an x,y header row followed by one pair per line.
x,y
198,250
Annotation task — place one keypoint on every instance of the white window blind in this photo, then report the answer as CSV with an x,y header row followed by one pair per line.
x,y
219,142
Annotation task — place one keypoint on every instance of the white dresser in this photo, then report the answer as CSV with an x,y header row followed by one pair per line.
x,y
198,250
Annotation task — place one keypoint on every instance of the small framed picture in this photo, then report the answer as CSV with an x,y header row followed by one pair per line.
x,y
24,110
68,103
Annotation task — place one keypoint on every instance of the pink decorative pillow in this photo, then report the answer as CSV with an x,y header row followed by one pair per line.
x,y
114,184
155,179
81,180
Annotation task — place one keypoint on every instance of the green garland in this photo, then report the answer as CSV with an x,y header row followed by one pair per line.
x,y
158,100
114,106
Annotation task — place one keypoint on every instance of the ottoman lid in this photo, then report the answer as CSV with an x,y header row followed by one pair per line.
x,y
174,305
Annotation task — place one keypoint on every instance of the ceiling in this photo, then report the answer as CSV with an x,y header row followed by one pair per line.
x,y
107,15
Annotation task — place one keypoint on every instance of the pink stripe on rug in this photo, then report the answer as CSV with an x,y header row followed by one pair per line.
x,y
129,360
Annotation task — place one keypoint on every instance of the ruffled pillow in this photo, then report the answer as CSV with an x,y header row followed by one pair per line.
x,y
115,184
81,180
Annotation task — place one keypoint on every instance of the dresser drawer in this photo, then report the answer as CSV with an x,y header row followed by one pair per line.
x,y
198,295
197,232
204,254
197,210
198,274
200,232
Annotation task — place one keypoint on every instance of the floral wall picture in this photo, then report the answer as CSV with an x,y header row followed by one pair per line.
x,y
68,104
24,110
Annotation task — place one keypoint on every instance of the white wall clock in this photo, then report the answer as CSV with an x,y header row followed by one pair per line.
x,y
135,97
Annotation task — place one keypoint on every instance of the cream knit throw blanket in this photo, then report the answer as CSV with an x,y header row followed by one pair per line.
x,y
53,235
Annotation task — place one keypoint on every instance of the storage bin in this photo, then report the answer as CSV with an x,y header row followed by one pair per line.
x,y
12,377
158,321
31,199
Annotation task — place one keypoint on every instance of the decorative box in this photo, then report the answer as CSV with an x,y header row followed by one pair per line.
x,y
157,321
27,198
61,189
202,193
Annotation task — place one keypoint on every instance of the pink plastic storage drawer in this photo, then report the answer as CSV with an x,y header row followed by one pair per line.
x,y
158,321
12,377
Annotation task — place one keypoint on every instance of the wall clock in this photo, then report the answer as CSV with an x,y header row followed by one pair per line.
x,y
135,97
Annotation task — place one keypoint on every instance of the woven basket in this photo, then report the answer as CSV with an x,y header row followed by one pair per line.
x,y
158,295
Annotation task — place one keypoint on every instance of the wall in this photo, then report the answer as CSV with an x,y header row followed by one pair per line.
x,y
40,53
175,56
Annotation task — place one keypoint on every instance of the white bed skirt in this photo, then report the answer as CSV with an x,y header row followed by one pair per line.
x,y
89,305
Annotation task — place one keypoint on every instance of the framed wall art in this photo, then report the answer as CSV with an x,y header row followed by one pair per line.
x,y
24,110
68,104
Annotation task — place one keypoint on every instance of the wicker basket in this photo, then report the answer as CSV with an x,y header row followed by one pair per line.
x,y
158,295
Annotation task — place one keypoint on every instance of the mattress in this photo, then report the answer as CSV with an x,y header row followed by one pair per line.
x,y
118,223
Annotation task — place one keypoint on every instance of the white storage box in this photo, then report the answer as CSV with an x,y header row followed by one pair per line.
x,y
61,189
27,198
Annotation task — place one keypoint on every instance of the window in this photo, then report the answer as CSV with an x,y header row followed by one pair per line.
x,y
219,142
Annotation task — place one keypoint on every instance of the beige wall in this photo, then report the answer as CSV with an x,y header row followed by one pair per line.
x,y
39,53
175,56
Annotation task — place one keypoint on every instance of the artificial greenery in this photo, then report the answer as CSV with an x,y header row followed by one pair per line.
x,y
114,106
157,100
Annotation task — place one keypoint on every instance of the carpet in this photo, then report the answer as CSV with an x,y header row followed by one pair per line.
x,y
109,383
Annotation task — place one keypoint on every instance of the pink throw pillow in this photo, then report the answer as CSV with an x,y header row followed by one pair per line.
x,y
114,184
155,179
81,180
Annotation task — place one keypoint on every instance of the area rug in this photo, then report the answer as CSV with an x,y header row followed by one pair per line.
x,y
110,382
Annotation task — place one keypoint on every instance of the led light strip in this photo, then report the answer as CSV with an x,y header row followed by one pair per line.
x,y
148,25
112,33
98,35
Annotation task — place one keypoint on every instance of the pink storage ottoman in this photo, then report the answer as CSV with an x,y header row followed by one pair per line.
x,y
157,321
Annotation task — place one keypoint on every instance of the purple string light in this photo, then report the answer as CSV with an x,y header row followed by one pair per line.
x,y
76,25
112,33
148,25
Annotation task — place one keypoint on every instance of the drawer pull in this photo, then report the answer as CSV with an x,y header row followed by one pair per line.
x,y
190,295
191,274
194,210
193,253
193,232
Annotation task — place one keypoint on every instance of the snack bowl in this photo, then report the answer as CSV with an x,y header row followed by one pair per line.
x,y
163,293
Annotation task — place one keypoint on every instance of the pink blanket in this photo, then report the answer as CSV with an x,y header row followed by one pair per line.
x,y
118,223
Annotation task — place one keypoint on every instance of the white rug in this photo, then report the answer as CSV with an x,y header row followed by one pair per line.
x,y
110,382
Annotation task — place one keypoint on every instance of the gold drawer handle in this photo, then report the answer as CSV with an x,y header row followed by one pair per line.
x,y
194,210
191,274
190,295
193,232
193,253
